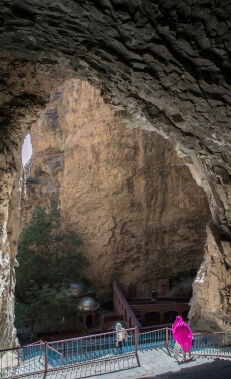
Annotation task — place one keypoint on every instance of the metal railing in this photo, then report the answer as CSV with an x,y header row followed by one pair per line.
x,y
152,339
21,361
92,348
54,356
207,344
42,357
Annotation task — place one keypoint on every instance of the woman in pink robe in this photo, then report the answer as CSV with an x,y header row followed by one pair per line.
x,y
183,336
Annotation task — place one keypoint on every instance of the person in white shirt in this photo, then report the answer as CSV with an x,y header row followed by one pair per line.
x,y
121,336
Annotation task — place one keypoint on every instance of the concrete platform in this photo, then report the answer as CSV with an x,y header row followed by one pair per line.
x,y
153,364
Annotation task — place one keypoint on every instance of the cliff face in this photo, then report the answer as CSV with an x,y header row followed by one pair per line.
x,y
141,215
211,303
8,251
28,89
167,64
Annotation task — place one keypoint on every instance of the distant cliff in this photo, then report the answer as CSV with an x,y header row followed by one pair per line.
x,y
140,213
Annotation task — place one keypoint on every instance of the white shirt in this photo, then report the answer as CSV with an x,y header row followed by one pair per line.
x,y
121,334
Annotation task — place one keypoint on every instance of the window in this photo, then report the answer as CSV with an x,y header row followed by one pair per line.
x,y
81,319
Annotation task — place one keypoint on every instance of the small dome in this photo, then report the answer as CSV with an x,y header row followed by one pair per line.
x,y
87,304
78,288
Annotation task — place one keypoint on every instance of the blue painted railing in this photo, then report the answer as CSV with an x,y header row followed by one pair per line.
x,y
54,357
43,357
208,344
215,344
38,349
153,339
33,350
89,348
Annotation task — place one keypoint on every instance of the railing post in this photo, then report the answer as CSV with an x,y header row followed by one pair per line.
x,y
166,337
136,339
45,352
18,356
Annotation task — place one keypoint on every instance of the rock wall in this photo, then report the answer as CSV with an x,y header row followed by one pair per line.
x,y
165,64
25,88
211,304
140,212
8,251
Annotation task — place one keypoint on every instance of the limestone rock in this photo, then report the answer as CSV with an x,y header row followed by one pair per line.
x,y
8,250
141,214
210,305
164,64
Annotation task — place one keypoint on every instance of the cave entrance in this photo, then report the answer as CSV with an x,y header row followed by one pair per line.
x,y
113,181
150,64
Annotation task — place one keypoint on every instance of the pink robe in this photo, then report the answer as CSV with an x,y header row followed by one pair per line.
x,y
182,334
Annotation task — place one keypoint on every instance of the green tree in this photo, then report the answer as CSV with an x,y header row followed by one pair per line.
x,y
49,259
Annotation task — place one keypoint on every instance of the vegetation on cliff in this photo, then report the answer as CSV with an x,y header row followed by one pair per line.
x,y
49,259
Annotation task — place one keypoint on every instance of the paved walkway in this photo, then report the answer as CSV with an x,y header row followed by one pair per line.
x,y
153,364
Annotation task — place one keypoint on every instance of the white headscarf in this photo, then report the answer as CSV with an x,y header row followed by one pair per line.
x,y
118,326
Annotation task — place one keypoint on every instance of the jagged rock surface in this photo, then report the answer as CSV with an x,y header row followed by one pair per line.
x,y
11,232
210,307
28,88
166,63
140,212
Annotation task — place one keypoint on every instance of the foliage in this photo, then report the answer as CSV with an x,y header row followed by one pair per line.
x,y
49,259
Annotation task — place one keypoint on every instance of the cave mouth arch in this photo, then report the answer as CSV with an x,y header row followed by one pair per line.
x,y
80,142
14,242
168,69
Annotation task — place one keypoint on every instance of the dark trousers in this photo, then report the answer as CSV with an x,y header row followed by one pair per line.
x,y
120,345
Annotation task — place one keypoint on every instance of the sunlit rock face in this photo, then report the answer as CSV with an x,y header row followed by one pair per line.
x,y
25,88
8,250
211,304
141,214
165,63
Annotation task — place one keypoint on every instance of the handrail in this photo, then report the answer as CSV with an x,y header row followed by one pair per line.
x,y
200,333
35,343
126,305
57,352
153,326
153,331
173,305
86,337
21,347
